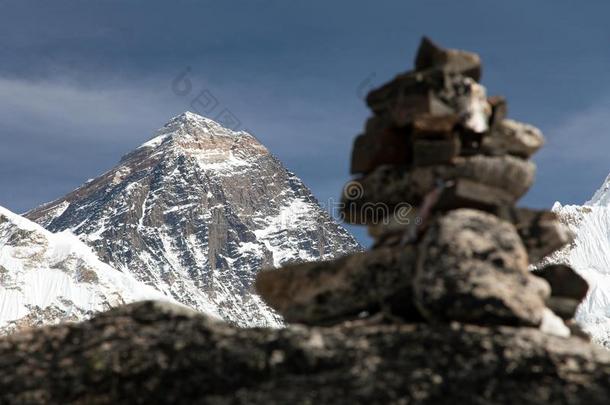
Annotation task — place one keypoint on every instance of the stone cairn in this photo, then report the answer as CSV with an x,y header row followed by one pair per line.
x,y
438,171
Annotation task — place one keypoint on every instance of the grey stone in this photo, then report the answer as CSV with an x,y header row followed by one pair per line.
x,y
328,292
430,55
514,138
146,354
472,267
487,181
541,231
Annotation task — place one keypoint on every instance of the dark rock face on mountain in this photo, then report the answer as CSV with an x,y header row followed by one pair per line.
x,y
150,353
195,213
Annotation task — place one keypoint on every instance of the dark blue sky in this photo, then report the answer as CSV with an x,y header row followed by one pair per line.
x,y
82,83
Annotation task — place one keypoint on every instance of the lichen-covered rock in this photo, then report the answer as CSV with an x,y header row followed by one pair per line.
x,y
150,353
328,292
473,267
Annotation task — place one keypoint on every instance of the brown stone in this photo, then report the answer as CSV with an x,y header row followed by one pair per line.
x,y
409,95
514,138
466,193
435,140
324,293
564,307
541,231
499,110
149,353
386,147
434,127
430,55
385,188
493,180
434,152
400,226
564,281
470,142
378,123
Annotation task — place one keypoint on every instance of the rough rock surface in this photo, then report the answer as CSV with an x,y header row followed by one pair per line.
x,y
515,138
472,267
196,212
150,354
329,292
506,179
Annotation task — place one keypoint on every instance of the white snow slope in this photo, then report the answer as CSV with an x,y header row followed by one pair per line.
x,y
46,278
589,255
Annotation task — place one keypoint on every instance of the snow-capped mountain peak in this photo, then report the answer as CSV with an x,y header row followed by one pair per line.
x,y
195,212
602,195
190,125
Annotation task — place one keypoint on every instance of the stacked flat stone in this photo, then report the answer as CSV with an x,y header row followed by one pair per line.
x,y
438,171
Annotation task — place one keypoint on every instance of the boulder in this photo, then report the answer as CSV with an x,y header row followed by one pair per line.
x,y
499,110
468,100
435,140
152,353
384,147
430,55
514,175
435,152
385,188
466,193
541,231
484,182
434,127
564,281
432,92
472,267
408,95
514,138
323,293
568,289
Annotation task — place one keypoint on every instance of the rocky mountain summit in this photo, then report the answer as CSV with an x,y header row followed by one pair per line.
x,y
195,212
442,309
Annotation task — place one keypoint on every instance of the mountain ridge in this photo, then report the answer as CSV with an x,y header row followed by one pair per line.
x,y
195,212
47,278
589,255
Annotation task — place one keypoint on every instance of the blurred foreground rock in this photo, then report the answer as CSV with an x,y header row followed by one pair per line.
x,y
151,353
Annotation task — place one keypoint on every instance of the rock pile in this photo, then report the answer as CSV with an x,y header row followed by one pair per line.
x,y
438,170
442,309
